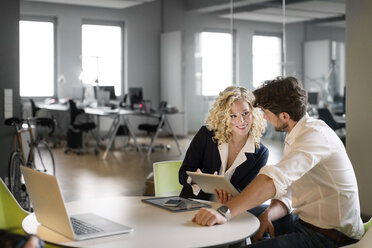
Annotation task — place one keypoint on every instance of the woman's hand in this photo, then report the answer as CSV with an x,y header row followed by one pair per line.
x,y
222,196
199,171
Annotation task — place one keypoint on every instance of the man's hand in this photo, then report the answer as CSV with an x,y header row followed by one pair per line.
x,y
222,196
266,226
275,211
208,217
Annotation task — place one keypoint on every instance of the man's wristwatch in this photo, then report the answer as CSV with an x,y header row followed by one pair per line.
x,y
225,212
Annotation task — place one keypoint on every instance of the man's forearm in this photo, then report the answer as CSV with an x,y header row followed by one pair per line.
x,y
276,210
257,192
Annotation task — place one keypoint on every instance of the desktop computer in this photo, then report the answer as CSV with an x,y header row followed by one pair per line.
x,y
110,89
313,98
136,97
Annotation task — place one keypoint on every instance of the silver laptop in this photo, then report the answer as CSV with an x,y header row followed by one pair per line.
x,y
47,201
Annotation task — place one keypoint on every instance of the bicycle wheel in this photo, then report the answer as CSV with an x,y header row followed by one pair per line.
x,y
43,158
16,183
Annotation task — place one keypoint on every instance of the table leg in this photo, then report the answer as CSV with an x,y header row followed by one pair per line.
x,y
154,137
115,125
174,135
126,121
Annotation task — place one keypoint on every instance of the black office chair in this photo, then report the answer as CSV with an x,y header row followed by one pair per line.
x,y
79,127
151,128
123,104
44,125
326,115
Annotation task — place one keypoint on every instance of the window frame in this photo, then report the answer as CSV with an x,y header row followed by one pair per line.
x,y
120,24
269,34
198,59
55,59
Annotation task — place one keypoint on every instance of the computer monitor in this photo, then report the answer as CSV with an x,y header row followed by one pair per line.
x,y
110,89
313,98
136,97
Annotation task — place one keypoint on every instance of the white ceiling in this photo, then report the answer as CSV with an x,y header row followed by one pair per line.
x,y
116,4
297,12
309,10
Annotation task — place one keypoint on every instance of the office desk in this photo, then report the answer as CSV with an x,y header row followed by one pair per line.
x,y
53,107
60,113
340,119
162,116
153,226
118,114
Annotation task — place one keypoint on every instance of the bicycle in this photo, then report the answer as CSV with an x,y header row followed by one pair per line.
x,y
38,154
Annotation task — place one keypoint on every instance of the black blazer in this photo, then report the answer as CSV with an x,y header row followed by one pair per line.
x,y
203,154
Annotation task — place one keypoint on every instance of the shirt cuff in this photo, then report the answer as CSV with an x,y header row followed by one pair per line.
x,y
275,174
195,187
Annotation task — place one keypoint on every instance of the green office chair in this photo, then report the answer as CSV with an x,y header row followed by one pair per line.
x,y
12,214
367,225
366,240
166,178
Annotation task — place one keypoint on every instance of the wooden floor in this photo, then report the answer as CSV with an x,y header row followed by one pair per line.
x,y
124,172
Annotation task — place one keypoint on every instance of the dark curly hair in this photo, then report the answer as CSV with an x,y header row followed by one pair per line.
x,y
283,94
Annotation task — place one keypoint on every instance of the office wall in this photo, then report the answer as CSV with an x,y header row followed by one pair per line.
x,y
296,35
142,65
318,32
190,23
9,73
142,25
197,106
358,95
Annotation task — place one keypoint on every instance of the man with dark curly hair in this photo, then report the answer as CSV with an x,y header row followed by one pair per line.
x,y
314,191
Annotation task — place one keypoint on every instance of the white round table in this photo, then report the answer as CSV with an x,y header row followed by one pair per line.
x,y
153,226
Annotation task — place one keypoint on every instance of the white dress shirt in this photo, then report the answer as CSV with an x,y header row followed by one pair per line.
x,y
316,178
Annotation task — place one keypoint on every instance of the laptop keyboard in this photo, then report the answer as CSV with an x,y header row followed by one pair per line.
x,y
81,227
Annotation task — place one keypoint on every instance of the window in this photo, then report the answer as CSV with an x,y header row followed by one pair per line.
x,y
36,49
102,55
267,57
216,62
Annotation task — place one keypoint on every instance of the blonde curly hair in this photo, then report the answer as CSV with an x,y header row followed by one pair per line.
x,y
219,119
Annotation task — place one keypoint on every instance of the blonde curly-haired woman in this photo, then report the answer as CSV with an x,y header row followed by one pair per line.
x,y
229,144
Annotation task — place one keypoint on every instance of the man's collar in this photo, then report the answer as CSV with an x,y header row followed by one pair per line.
x,y
296,129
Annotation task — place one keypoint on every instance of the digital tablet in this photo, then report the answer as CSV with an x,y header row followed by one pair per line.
x,y
209,182
176,203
